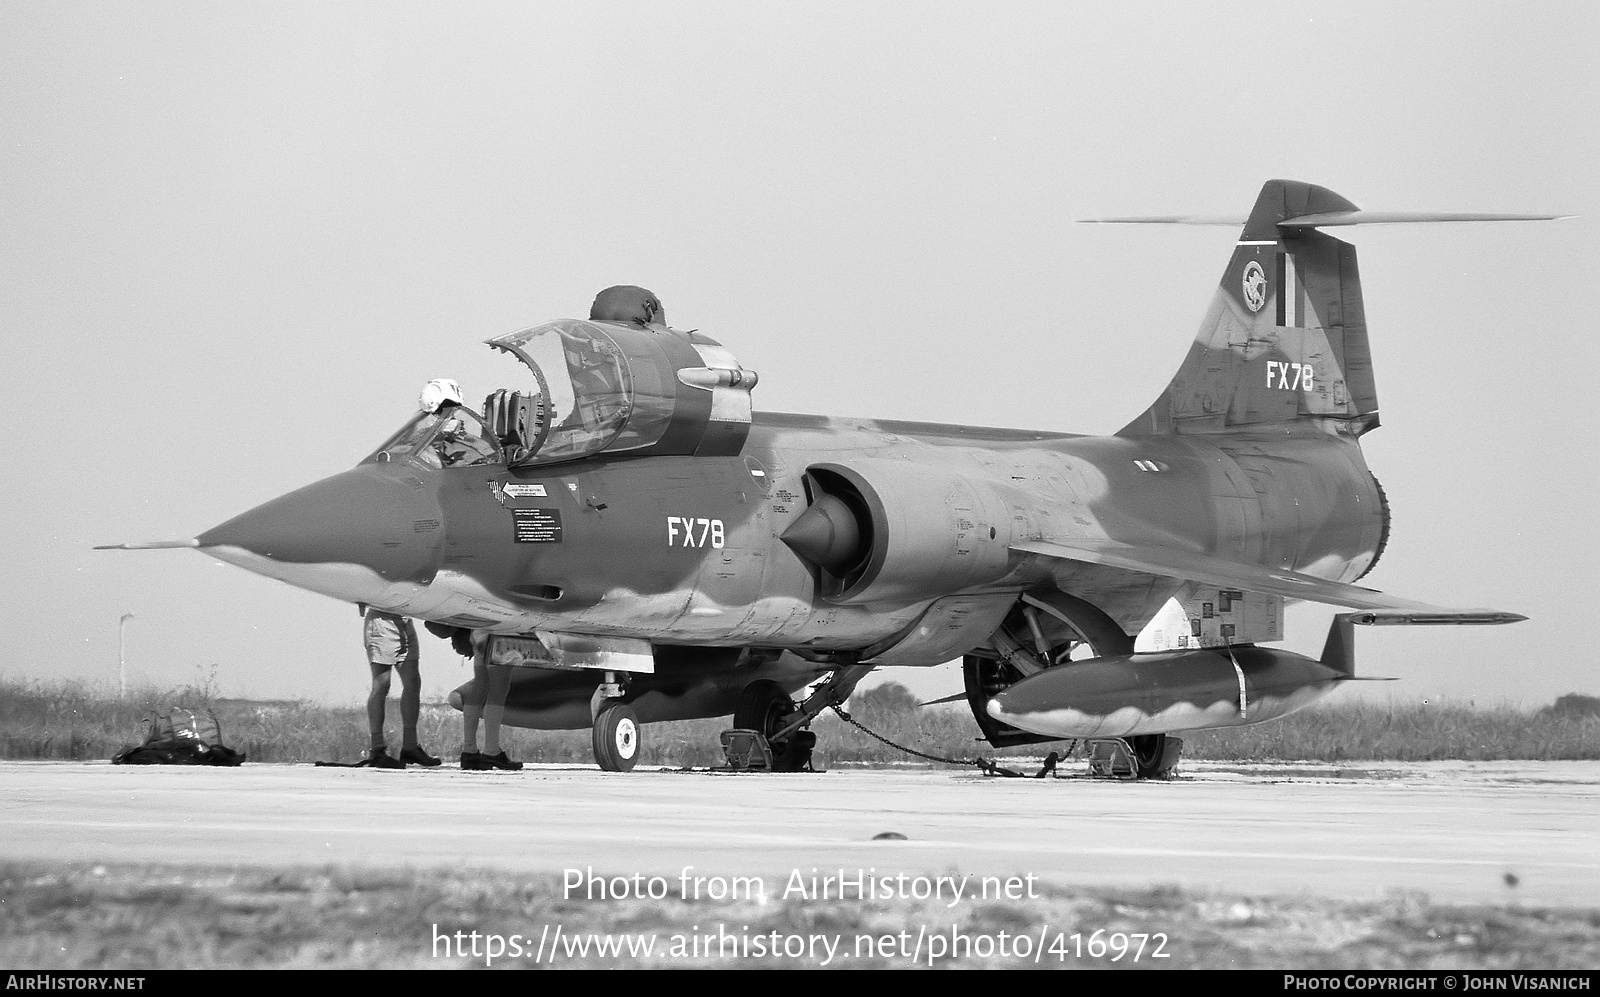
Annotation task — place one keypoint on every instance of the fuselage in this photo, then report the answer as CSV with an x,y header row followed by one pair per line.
x,y
689,549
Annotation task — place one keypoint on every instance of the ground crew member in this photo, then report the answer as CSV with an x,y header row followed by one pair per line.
x,y
487,701
392,644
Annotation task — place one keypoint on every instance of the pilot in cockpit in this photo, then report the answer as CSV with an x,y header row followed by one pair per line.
x,y
461,438
438,394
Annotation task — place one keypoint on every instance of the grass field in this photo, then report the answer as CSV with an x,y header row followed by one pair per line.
x,y
81,722
116,917
132,917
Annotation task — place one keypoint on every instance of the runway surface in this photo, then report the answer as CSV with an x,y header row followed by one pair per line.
x,y
1452,830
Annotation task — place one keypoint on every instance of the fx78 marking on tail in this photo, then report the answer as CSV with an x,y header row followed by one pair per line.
x,y
1278,375
709,529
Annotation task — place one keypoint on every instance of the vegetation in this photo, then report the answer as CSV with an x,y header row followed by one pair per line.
x,y
1349,732
1413,732
71,720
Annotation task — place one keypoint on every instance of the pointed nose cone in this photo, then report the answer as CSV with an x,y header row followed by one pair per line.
x,y
344,535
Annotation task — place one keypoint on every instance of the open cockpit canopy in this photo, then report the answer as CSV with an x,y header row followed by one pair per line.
x,y
593,387
616,387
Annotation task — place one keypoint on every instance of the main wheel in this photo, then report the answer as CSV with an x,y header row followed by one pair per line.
x,y
1154,755
615,737
1043,630
765,708
1052,628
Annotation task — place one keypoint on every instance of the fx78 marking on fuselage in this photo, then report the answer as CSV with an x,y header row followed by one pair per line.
x,y
1278,375
708,530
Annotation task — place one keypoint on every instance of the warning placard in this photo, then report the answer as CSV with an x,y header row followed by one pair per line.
x,y
537,526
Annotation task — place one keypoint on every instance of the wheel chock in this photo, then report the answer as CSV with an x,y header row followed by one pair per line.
x,y
1112,759
746,751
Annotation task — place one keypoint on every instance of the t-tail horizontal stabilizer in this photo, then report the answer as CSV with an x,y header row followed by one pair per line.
x,y
1284,341
1329,219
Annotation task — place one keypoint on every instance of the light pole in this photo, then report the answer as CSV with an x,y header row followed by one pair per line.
x,y
122,657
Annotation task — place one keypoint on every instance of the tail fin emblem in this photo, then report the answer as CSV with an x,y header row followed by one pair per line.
x,y
1255,286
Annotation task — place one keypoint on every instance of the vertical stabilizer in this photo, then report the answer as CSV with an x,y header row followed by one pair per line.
x,y
1285,339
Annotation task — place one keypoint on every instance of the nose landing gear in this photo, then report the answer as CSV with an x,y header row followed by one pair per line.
x,y
615,733
615,737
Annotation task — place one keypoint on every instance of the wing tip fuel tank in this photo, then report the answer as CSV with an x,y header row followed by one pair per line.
x,y
1164,692
1170,691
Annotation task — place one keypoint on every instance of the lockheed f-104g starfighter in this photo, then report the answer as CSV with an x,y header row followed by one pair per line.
x,y
645,546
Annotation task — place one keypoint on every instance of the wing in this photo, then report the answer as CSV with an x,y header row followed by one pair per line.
x,y
1168,562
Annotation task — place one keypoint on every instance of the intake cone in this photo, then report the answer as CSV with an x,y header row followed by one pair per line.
x,y
827,535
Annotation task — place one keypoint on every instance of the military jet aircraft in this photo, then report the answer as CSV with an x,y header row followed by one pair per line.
x,y
643,546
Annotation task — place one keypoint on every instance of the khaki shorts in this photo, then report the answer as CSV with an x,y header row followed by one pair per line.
x,y
391,640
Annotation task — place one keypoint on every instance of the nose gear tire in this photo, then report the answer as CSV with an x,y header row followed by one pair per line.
x,y
615,738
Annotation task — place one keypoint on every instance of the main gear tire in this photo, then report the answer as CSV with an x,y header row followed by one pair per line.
x,y
1155,755
764,707
615,737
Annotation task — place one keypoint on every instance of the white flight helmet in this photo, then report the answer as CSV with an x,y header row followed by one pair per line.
x,y
439,391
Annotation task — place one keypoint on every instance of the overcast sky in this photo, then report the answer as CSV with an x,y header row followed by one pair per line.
x,y
236,239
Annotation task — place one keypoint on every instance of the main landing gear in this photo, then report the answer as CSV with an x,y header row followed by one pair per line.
x,y
1043,630
1148,756
769,728
766,710
1050,629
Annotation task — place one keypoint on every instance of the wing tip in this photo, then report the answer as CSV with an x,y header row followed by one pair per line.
x,y
1434,617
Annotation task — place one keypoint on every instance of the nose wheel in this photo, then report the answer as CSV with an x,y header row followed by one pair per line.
x,y
615,737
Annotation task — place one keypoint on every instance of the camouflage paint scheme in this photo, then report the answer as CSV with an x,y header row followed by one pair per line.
x,y
1246,472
